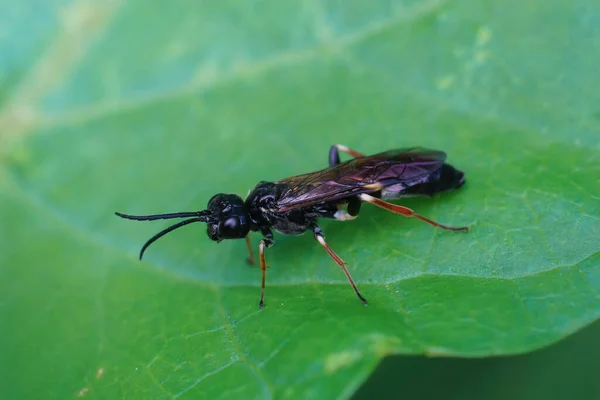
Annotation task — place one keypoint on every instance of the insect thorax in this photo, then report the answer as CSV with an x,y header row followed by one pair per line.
x,y
261,204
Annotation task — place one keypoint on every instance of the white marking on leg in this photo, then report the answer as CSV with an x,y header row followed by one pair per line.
x,y
321,240
374,186
342,215
367,198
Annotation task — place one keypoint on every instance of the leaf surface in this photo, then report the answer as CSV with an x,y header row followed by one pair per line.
x,y
125,106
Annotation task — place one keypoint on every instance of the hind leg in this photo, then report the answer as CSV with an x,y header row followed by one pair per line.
x,y
406,212
354,203
334,153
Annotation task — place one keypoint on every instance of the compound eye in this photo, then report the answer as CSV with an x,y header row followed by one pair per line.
x,y
230,228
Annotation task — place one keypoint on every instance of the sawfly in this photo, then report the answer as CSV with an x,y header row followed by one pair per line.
x,y
293,206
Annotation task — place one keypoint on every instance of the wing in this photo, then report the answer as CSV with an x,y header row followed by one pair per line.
x,y
401,168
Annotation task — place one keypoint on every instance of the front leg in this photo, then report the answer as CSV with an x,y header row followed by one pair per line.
x,y
266,242
250,259
334,155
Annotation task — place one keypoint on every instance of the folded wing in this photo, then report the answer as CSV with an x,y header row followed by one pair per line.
x,y
398,168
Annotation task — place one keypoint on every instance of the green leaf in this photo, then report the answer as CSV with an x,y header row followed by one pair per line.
x,y
126,106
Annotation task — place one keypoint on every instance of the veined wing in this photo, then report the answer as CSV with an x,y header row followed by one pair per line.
x,y
367,174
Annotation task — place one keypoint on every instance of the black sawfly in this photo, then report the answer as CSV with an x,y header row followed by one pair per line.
x,y
293,205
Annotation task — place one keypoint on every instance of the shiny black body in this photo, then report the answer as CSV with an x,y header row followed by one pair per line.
x,y
265,214
294,205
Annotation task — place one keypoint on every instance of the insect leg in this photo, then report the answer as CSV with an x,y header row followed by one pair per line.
x,y
334,155
321,239
354,204
266,242
250,258
406,212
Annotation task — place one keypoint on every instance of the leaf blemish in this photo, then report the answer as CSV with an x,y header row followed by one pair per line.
x,y
384,345
484,34
444,82
336,361
481,56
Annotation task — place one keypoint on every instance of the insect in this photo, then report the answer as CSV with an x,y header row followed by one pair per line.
x,y
292,206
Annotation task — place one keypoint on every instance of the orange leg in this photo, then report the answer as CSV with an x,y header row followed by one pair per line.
x,y
250,258
263,266
406,212
321,239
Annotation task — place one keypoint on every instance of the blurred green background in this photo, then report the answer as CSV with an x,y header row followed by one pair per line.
x,y
140,107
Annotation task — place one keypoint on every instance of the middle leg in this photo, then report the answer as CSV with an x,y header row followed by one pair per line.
x,y
250,259
264,243
321,239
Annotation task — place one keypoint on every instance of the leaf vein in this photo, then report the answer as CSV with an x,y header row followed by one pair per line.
x,y
203,377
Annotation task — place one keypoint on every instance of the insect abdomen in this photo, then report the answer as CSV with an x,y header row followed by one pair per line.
x,y
445,178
